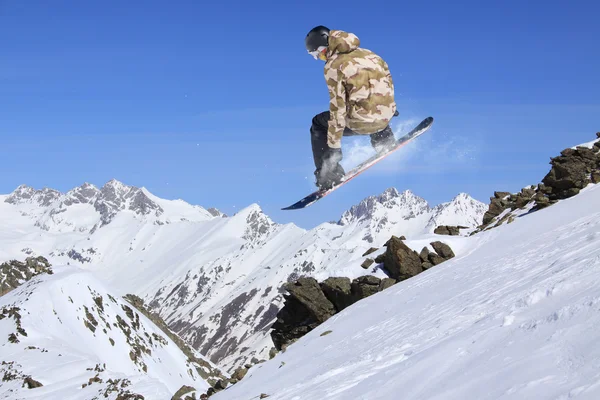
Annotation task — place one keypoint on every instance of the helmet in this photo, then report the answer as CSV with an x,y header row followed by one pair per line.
x,y
317,37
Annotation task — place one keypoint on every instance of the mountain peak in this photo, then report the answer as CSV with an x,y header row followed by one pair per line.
x,y
115,196
27,194
370,207
461,210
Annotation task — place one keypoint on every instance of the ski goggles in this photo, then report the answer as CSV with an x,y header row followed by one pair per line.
x,y
319,53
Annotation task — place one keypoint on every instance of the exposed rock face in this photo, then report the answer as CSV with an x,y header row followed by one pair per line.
x,y
448,230
15,273
371,250
207,371
573,170
309,293
26,194
115,196
310,303
338,291
32,383
365,286
400,261
443,250
216,213
367,263
304,309
182,391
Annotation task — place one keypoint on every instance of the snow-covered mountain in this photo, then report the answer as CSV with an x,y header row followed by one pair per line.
x,y
214,279
68,337
87,208
515,316
408,214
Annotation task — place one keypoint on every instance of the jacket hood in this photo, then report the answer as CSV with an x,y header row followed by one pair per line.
x,y
342,42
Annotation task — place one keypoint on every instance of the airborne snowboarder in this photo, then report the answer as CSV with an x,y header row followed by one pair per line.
x,y
361,93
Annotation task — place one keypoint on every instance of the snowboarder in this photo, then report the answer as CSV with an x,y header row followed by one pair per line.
x,y
361,93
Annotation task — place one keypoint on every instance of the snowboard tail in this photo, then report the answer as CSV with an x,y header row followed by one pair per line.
x,y
319,194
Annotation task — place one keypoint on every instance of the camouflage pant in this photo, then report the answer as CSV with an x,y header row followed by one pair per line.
x,y
318,136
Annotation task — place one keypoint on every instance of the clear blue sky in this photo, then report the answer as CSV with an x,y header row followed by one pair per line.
x,y
211,102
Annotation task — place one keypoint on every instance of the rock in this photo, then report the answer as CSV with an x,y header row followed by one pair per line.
x,y
263,396
221,384
309,293
400,261
426,265
501,195
239,373
305,308
365,286
596,176
447,230
32,383
567,152
570,171
435,259
371,250
14,273
386,283
272,353
443,250
367,263
598,135
402,237
572,192
496,208
203,396
182,391
380,258
424,254
338,291
521,201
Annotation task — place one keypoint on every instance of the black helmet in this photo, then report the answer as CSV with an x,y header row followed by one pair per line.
x,y
317,37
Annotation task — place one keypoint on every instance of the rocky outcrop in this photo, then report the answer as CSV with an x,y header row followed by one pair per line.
x,y
183,391
310,303
401,261
572,171
443,250
338,291
448,230
207,371
305,307
15,273
367,263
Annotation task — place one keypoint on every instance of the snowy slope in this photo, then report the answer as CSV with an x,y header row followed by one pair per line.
x,y
66,328
214,279
515,316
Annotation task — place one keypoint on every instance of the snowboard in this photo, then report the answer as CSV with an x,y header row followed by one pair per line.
x,y
354,172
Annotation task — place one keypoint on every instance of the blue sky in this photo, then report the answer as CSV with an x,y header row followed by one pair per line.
x,y
212,103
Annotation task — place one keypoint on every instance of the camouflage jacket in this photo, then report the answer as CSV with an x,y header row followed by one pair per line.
x,y
361,90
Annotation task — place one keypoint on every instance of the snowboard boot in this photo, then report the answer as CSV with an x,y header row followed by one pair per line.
x,y
328,178
383,141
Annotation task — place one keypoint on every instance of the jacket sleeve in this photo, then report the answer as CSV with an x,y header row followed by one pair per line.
x,y
337,107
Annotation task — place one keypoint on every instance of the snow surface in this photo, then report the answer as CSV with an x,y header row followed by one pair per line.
x,y
72,328
214,280
515,316
589,145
